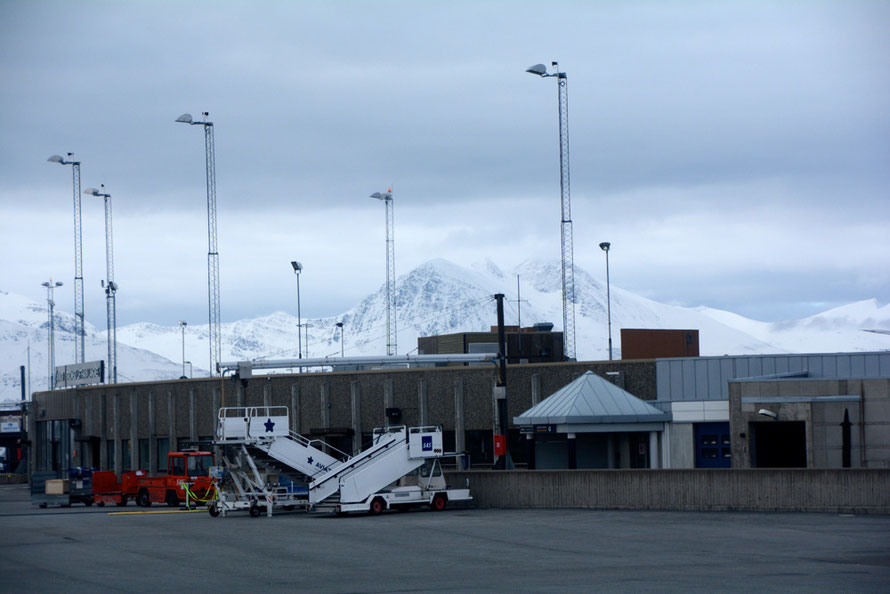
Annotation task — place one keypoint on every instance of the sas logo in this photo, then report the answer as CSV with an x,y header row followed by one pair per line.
x,y
426,443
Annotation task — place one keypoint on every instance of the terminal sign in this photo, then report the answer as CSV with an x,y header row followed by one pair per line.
x,y
80,374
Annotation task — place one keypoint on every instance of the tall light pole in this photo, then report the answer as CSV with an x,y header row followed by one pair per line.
x,y
391,342
340,326
212,252
182,326
568,264
605,247
108,284
51,333
298,268
79,330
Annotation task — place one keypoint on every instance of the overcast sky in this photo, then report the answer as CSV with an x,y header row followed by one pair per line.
x,y
735,153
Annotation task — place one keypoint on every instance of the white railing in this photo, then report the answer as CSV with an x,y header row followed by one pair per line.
x,y
253,422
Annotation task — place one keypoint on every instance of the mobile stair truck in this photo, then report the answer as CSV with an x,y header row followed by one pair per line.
x,y
400,469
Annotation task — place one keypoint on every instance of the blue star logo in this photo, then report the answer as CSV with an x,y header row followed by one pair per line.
x,y
269,425
309,460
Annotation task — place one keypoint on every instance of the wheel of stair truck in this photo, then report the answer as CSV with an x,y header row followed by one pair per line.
x,y
377,506
171,499
213,509
143,499
439,502
255,510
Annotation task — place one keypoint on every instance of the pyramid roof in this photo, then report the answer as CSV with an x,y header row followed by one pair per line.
x,y
591,399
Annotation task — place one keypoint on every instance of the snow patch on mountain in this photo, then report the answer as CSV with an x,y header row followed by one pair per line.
x,y
438,297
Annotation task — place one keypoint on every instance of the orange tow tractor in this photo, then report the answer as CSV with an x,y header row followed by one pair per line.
x,y
187,479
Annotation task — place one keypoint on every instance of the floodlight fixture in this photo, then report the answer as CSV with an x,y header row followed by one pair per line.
x,y
538,69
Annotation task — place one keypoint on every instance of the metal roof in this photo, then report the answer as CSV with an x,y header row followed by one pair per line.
x,y
591,399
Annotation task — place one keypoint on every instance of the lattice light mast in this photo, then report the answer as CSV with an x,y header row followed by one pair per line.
x,y
108,284
568,265
298,268
391,342
51,334
79,330
212,252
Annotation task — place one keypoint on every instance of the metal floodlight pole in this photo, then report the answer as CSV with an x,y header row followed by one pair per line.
x,y
212,252
391,340
340,326
108,284
182,326
79,329
298,268
568,265
605,247
51,333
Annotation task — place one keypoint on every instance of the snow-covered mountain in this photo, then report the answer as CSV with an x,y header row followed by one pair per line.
x,y
24,325
437,297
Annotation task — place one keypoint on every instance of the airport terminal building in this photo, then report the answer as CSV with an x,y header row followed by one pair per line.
x,y
807,411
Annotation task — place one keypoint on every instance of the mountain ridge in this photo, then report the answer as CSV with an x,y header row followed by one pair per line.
x,y
437,297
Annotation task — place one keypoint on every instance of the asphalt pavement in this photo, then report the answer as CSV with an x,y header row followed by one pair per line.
x,y
91,549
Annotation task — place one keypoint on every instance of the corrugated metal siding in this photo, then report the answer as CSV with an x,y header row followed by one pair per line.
x,y
450,345
707,378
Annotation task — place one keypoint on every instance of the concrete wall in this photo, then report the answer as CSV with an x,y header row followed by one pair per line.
x,y
835,491
815,402
680,451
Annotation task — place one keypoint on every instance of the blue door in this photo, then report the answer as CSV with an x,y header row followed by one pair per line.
x,y
712,448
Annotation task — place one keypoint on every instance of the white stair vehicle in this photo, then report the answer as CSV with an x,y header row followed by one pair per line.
x,y
363,482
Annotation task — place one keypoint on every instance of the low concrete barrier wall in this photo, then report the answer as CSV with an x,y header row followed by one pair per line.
x,y
812,490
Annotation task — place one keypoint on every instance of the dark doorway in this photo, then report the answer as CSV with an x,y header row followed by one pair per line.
x,y
779,444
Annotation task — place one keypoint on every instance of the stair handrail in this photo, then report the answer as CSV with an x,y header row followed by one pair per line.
x,y
305,441
356,461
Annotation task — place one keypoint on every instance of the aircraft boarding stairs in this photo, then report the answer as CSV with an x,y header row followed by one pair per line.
x,y
394,453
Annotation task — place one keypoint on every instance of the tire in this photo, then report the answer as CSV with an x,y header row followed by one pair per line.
x,y
378,505
255,510
42,506
123,501
439,502
171,499
213,510
143,499
101,504
88,502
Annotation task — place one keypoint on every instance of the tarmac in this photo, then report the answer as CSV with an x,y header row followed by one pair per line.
x,y
91,549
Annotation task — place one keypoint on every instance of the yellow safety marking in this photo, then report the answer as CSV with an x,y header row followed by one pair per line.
x,y
165,511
